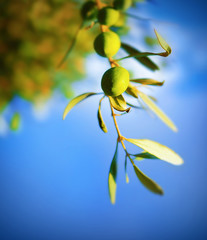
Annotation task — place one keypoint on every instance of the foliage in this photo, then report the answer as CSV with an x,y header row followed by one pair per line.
x,y
34,36
112,86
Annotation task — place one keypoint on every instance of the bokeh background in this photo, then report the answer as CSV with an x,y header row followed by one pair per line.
x,y
53,173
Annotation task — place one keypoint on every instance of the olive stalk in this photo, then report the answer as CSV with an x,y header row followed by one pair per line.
x,y
114,63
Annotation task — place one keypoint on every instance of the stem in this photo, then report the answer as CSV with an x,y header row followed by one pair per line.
x,y
71,45
113,64
99,4
120,137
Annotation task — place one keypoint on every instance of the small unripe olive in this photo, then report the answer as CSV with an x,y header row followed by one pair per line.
x,y
107,44
108,16
89,10
121,21
115,81
122,4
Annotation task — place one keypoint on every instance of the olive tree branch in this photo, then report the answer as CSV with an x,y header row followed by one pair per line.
x,y
113,63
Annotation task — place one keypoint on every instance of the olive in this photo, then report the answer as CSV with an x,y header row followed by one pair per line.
x,y
89,10
122,4
107,44
108,16
115,81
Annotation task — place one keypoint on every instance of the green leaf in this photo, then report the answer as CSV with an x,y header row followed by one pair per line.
x,y
163,43
131,90
143,55
132,105
75,101
15,121
125,167
147,81
72,44
144,155
147,62
157,111
153,98
147,182
158,150
119,103
112,177
150,41
100,119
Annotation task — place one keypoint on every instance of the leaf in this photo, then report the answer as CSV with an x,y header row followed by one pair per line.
x,y
163,43
100,119
147,81
125,167
132,105
119,103
131,90
153,98
112,177
147,62
15,121
144,155
72,44
158,150
157,111
150,41
147,182
75,101
143,55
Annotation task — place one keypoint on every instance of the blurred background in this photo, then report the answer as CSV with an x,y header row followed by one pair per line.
x,y
53,173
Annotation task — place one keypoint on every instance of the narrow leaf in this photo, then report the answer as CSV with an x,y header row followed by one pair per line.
x,y
147,81
119,103
131,90
158,150
163,43
147,62
112,177
153,98
143,55
125,167
72,44
147,182
75,101
100,119
144,155
132,105
15,121
157,111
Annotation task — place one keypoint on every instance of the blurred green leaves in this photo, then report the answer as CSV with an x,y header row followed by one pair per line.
x,y
34,38
15,121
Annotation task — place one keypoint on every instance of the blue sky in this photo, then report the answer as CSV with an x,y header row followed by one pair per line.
x,y
54,173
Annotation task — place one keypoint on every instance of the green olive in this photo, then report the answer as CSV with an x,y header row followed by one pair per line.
x,y
121,21
108,16
115,81
122,4
107,44
89,10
